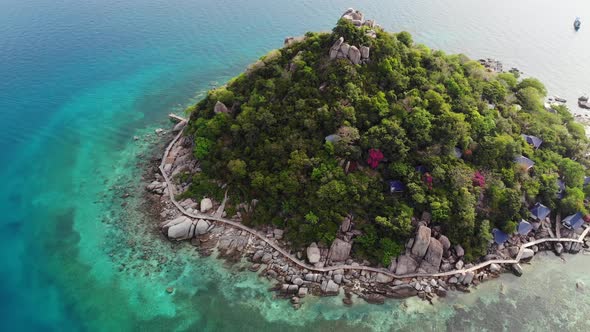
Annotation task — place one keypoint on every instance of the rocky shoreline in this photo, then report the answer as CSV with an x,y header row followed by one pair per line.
x,y
428,252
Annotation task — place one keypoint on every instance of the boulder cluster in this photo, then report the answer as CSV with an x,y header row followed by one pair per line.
x,y
428,254
357,18
342,50
184,228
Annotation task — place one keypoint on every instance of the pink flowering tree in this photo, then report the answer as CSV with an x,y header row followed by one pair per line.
x,y
375,156
479,180
428,180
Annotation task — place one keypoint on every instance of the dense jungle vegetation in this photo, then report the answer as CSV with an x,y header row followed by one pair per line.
x,y
403,116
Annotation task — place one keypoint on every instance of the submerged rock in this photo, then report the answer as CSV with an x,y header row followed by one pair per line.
x,y
402,291
516,269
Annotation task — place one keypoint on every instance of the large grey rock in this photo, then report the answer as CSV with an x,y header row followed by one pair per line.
x,y
383,278
495,268
338,42
302,292
354,55
405,265
459,251
345,224
220,108
278,233
330,287
527,253
365,52
356,15
345,48
170,223
267,257
336,48
446,244
202,227
180,231
206,205
421,241
257,255
468,278
393,265
313,253
434,253
339,251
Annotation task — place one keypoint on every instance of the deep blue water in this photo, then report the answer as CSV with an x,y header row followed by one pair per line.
x,y
79,79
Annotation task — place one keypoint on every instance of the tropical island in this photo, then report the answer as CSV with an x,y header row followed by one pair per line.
x,y
361,160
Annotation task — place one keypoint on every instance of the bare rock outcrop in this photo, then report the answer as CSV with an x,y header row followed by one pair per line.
x,y
431,262
206,205
405,264
336,48
446,244
365,51
313,253
339,251
354,55
220,108
421,241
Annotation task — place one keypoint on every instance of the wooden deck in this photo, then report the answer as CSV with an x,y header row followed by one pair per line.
x,y
176,118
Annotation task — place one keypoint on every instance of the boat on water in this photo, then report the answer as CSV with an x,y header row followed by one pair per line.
x,y
577,23
583,102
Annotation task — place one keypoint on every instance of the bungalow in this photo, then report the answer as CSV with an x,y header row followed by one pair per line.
x,y
540,212
532,140
422,169
499,236
574,221
524,227
525,162
396,186
332,138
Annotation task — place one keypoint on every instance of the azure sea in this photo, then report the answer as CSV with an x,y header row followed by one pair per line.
x,y
80,78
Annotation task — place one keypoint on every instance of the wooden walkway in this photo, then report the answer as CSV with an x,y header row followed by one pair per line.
x,y
176,118
294,260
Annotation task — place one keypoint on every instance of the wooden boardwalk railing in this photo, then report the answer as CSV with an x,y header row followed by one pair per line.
x,y
294,260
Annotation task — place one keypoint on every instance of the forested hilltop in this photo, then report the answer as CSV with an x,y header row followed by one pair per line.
x,y
365,123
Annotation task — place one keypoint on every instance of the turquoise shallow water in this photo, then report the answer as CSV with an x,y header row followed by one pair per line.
x,y
81,78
